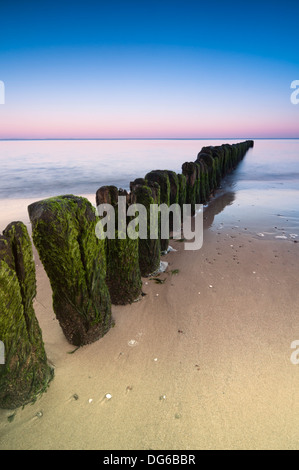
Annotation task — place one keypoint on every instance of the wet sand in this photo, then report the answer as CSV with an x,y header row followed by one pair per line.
x,y
201,362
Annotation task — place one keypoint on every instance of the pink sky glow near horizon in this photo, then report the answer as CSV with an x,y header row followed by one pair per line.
x,y
35,125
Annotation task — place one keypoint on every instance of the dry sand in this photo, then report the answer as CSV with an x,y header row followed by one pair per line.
x,y
201,362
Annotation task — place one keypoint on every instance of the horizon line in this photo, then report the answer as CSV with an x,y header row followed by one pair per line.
x,y
144,138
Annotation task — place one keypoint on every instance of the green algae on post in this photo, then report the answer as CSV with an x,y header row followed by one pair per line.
x,y
174,195
147,193
26,373
190,171
173,187
123,273
161,177
182,190
63,230
204,175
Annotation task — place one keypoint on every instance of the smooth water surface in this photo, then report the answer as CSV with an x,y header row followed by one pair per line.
x,y
262,193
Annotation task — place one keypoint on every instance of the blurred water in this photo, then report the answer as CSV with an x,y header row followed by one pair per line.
x,y
263,192
50,168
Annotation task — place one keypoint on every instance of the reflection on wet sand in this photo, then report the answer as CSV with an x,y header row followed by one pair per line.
x,y
216,206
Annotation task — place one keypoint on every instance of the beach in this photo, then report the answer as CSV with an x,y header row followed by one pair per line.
x,y
201,362
121,123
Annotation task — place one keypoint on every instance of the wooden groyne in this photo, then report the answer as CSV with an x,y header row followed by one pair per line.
x,y
204,175
87,274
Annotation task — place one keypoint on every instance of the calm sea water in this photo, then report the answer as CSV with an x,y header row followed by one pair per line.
x,y
263,192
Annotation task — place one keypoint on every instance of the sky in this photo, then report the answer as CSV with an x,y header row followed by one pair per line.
x,y
148,69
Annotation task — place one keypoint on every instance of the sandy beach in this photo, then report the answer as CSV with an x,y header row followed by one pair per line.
x,y
201,362
138,105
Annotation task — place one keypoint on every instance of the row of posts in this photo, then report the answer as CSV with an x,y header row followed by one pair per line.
x,y
87,274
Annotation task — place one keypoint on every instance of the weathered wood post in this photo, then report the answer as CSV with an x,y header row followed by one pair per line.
x,y
148,193
182,189
24,371
161,177
190,171
173,197
206,156
63,230
123,272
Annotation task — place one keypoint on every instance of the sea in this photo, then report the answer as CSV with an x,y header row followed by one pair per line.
x,y
261,195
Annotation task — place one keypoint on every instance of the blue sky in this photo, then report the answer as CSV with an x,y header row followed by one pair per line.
x,y
148,69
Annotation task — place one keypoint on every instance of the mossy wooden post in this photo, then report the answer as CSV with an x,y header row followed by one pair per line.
x,y
63,229
173,196
173,187
161,177
123,273
182,192
216,162
218,154
198,183
227,159
210,166
147,193
189,169
234,153
25,373
182,189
